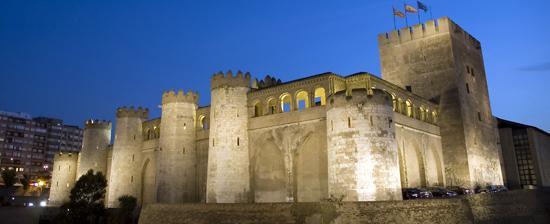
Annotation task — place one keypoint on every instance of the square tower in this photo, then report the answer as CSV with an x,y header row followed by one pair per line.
x,y
438,60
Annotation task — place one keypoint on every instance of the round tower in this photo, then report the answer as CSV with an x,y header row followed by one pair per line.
x,y
63,177
361,147
228,178
96,138
176,158
126,156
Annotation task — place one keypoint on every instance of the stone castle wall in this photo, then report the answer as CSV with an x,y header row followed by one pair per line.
x,y
441,62
288,160
269,143
126,156
96,138
362,151
228,178
63,177
525,206
177,159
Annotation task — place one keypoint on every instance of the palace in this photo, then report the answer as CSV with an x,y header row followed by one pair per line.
x,y
426,122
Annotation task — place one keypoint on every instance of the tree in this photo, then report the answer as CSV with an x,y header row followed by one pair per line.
x,y
86,200
9,177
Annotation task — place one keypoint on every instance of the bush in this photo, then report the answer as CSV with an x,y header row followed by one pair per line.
x,y
9,177
127,206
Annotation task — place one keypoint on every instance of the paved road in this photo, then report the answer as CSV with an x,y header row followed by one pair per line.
x,y
19,215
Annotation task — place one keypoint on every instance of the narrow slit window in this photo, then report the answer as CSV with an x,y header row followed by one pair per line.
x,y
479,116
133,158
238,141
467,88
331,125
349,122
370,120
183,150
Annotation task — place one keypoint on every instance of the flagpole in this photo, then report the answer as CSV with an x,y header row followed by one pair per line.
x,y
393,13
406,19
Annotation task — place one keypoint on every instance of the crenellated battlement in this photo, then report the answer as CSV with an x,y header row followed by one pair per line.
x,y
228,79
132,112
430,28
171,97
65,155
101,124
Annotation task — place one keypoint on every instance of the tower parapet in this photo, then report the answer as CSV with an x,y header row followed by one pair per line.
x,y
139,112
228,79
101,124
430,28
180,96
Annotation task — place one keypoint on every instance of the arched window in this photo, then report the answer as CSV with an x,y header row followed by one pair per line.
x,y
320,97
422,113
394,102
147,134
286,102
400,106
409,108
257,109
428,115
302,100
150,134
203,122
271,106
434,117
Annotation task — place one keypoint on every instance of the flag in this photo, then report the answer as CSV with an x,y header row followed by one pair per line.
x,y
398,13
410,8
422,6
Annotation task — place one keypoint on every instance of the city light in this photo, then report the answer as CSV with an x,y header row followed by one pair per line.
x,y
43,204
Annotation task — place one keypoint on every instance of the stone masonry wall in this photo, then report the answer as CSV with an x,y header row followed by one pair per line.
x,y
176,165
228,178
63,177
527,207
441,62
125,168
362,151
94,147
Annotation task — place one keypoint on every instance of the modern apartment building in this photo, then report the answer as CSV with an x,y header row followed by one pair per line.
x,y
28,144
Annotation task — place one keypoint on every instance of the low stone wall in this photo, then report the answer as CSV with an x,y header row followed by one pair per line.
x,y
511,207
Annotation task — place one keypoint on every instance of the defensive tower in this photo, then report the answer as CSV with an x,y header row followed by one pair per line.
x,y
176,165
361,146
126,159
63,177
441,62
96,138
228,178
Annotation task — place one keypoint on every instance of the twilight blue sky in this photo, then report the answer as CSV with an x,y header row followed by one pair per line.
x,y
82,59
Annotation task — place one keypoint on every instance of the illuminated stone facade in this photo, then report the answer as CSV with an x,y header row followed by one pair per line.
x,y
356,137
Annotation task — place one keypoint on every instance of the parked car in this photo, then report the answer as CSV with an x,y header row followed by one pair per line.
x,y
491,189
439,192
461,190
415,193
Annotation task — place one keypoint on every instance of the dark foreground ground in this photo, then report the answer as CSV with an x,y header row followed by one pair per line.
x,y
19,215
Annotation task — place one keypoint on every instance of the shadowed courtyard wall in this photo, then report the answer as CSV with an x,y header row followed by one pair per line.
x,y
527,206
